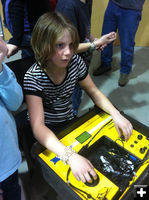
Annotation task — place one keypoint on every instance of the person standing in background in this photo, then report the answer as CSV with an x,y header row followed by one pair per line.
x,y
20,17
11,97
124,16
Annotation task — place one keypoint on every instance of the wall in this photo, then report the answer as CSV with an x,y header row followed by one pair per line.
x,y
142,36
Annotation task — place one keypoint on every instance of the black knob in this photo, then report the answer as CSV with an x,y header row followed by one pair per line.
x,y
142,150
140,137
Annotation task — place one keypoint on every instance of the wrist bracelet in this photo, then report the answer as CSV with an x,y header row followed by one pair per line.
x,y
92,47
68,151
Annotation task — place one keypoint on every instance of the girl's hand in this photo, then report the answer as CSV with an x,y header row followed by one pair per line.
x,y
123,126
81,168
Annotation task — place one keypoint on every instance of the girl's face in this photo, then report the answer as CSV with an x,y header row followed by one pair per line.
x,y
63,50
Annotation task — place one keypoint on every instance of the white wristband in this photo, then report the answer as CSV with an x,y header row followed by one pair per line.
x,y
68,151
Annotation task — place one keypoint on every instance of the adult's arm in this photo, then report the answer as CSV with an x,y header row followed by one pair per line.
x,y
10,91
99,43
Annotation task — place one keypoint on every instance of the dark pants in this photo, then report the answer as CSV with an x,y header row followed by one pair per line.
x,y
11,188
26,46
76,99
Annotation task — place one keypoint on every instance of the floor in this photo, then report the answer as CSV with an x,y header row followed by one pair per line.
x,y
133,99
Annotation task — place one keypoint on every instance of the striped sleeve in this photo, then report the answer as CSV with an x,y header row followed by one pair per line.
x,y
31,84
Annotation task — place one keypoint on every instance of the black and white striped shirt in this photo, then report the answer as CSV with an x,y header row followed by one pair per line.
x,y
57,99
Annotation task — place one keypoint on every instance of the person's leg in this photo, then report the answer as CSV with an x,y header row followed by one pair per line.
x,y
109,25
76,99
11,188
77,93
128,25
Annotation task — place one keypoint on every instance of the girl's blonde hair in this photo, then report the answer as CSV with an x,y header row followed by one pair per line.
x,y
47,30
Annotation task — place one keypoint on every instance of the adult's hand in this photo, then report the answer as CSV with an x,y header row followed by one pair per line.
x,y
102,42
3,52
12,49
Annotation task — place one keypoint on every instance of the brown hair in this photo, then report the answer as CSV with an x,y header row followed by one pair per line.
x,y
47,30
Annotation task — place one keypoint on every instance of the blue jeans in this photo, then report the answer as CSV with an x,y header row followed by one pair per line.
x,y
126,21
76,99
77,93
11,188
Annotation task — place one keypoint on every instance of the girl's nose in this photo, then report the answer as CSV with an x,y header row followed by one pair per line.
x,y
67,50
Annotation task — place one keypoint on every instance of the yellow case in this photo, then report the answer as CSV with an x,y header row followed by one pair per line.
x,y
105,188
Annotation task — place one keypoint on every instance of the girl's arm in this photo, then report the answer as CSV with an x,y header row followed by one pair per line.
x,y
122,125
80,166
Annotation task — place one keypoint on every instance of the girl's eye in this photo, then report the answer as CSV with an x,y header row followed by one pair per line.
x,y
59,46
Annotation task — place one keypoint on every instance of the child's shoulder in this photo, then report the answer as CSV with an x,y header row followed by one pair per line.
x,y
35,68
76,58
76,62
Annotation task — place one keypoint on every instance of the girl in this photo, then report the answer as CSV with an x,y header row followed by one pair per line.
x,y
49,84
